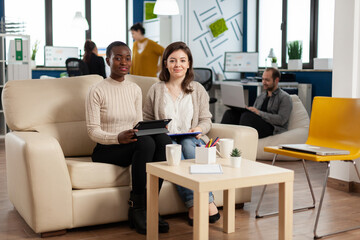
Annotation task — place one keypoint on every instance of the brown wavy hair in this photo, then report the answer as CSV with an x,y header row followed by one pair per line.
x,y
88,48
165,74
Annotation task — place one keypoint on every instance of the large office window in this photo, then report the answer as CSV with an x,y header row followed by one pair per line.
x,y
309,21
65,34
108,24
269,30
326,28
34,21
298,25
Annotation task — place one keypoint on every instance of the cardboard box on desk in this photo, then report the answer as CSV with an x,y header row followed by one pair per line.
x,y
204,155
323,63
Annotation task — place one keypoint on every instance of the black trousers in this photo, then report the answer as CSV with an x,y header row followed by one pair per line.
x,y
248,118
137,154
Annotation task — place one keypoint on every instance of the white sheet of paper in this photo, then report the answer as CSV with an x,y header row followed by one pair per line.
x,y
206,169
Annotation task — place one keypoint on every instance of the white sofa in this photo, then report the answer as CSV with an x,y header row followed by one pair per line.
x,y
52,182
297,132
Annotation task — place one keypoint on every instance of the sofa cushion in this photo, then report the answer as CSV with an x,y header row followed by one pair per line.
x,y
72,137
299,116
85,174
297,132
55,106
144,83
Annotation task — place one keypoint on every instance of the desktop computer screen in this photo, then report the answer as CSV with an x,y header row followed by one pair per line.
x,y
241,62
56,56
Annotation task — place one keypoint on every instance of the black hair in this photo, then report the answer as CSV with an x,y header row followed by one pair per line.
x,y
138,26
114,44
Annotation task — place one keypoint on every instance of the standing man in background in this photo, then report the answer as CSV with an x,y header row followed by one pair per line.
x,y
146,53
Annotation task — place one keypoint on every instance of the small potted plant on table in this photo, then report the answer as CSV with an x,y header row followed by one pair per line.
x,y
235,158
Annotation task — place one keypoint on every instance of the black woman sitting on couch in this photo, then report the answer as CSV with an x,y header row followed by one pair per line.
x,y
113,107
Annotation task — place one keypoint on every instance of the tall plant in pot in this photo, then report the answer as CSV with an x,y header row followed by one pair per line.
x,y
295,53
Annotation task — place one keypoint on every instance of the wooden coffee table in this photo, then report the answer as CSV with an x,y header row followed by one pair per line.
x,y
250,174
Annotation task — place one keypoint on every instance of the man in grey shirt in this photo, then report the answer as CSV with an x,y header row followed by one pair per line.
x,y
271,111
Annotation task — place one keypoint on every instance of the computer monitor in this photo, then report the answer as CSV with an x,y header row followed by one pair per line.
x,y
56,56
243,62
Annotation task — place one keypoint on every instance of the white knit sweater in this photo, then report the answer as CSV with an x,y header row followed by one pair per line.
x,y
154,105
112,107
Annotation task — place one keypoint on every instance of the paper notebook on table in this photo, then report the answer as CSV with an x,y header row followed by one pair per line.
x,y
206,169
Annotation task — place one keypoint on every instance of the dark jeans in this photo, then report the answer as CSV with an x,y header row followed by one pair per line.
x,y
137,154
248,118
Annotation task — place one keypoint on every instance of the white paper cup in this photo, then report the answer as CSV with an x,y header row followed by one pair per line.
x,y
173,154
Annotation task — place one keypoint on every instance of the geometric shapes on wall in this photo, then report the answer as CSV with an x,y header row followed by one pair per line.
x,y
209,37
218,27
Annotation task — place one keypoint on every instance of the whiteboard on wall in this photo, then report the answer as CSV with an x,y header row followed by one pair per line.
x,y
209,51
56,56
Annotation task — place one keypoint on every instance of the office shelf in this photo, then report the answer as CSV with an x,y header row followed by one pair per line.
x,y
12,69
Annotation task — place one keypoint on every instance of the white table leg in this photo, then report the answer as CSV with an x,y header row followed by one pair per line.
x,y
229,210
152,212
201,216
285,210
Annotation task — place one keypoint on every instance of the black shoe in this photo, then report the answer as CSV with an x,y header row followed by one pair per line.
x,y
137,213
212,219
163,225
190,221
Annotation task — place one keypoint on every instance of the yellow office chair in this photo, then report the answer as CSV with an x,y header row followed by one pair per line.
x,y
334,123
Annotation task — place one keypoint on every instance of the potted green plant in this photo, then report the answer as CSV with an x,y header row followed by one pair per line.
x,y
274,62
235,158
294,53
34,50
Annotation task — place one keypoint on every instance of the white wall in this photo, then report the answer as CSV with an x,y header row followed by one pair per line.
x,y
346,71
251,29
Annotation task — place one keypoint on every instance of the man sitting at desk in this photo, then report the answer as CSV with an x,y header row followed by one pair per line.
x,y
271,112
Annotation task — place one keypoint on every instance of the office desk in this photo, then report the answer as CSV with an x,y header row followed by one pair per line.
x,y
52,72
259,86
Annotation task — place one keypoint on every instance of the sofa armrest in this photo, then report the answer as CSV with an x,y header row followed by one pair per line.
x,y
245,138
38,181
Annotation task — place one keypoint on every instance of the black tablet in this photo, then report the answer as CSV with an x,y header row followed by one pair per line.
x,y
151,127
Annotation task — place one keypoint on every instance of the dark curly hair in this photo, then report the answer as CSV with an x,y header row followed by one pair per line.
x,y
138,26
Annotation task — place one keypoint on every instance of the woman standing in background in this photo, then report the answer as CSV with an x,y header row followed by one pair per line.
x,y
146,53
96,64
